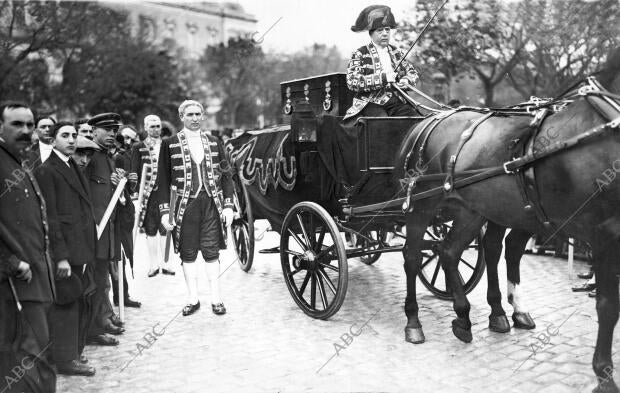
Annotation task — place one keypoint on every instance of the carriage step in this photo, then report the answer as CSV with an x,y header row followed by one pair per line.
x,y
274,250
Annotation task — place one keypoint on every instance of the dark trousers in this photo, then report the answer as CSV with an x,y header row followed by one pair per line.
x,y
115,286
201,230
25,352
101,308
67,325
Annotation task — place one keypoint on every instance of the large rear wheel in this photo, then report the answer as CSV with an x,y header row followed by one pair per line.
x,y
314,260
242,228
471,265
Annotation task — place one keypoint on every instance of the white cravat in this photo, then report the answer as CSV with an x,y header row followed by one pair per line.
x,y
197,151
45,151
63,157
384,57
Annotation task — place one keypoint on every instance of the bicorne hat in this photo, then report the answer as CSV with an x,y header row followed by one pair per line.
x,y
374,17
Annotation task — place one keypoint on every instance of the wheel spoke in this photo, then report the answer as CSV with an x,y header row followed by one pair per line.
x,y
468,264
313,291
328,280
291,274
304,232
435,274
312,233
461,278
291,252
304,284
319,242
326,251
425,264
297,239
327,265
319,282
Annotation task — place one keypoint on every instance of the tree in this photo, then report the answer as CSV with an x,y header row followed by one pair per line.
x,y
566,41
78,58
481,37
233,71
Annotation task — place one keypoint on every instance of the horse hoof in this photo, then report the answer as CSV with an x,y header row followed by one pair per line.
x,y
499,324
606,386
523,320
462,330
414,335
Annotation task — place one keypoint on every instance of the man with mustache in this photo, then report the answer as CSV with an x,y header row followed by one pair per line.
x,y
102,177
193,161
41,149
371,70
72,243
24,257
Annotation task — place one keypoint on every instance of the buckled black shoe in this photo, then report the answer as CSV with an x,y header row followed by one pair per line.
x,y
167,271
190,309
218,309
74,367
586,276
153,272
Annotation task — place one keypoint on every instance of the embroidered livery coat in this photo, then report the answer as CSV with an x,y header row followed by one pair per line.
x,y
367,78
175,170
145,153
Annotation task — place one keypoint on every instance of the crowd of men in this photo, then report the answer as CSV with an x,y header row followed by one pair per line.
x,y
67,217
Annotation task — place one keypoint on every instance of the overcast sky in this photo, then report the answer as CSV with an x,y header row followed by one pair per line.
x,y
305,22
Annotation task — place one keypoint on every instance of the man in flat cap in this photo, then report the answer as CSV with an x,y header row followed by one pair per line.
x,y
193,162
72,244
371,70
84,150
102,177
147,153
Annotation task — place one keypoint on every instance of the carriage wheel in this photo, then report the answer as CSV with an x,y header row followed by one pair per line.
x,y
369,259
314,260
242,228
471,265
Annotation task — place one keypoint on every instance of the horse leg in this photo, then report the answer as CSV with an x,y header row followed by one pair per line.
x,y
492,246
605,252
412,253
465,227
515,247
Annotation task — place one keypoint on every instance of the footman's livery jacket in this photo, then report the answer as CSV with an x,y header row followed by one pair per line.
x,y
176,168
145,153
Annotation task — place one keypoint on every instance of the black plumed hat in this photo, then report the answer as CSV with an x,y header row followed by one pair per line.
x,y
374,17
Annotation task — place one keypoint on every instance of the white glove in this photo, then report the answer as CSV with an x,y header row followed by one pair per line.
x,y
227,216
390,76
166,223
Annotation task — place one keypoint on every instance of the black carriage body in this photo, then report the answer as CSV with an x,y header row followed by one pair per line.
x,y
326,94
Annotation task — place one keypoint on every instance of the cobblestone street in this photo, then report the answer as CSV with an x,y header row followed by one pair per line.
x,y
266,344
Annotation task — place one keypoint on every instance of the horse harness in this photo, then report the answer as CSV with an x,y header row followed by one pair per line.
x,y
604,102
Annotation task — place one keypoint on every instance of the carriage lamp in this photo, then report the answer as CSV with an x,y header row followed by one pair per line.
x,y
303,123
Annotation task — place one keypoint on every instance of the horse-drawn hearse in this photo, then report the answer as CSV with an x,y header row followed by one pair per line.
x,y
443,175
305,176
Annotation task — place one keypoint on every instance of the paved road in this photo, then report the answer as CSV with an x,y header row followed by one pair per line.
x,y
266,344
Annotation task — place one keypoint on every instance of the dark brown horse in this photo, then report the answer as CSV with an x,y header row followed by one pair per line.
x,y
577,191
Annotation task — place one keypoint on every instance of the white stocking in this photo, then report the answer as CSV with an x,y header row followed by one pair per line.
x,y
153,251
213,275
191,280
